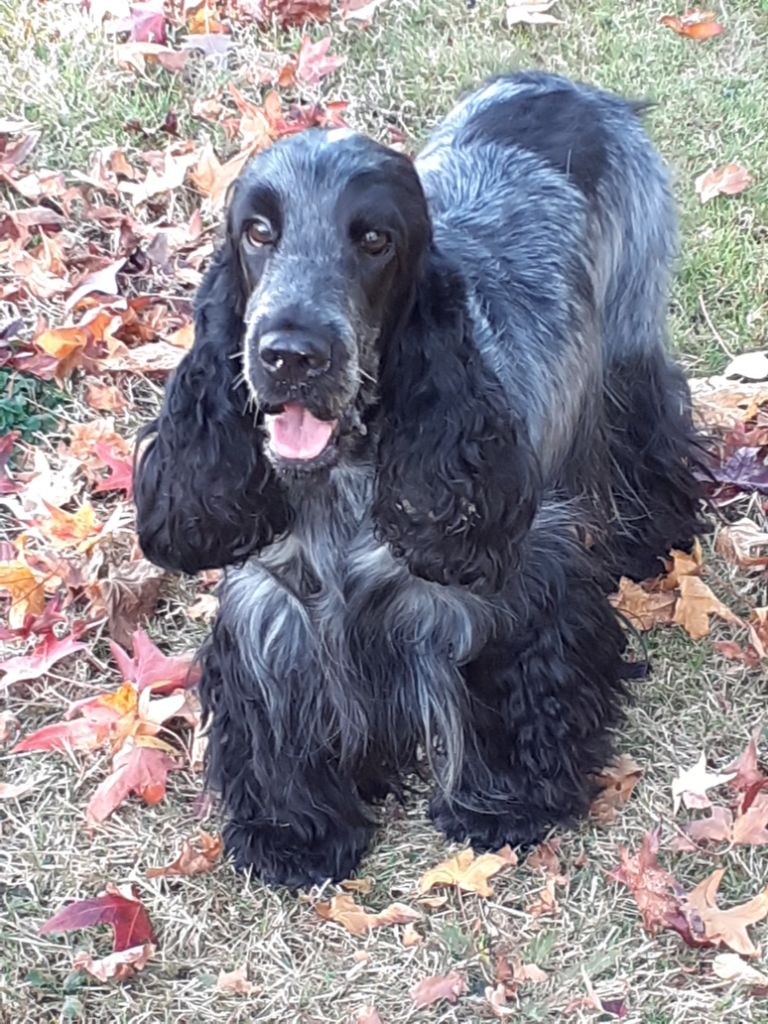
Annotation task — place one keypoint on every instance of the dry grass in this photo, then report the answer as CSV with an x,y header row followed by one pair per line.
x,y
404,71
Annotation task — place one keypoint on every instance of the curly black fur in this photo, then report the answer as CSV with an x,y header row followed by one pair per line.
x,y
427,420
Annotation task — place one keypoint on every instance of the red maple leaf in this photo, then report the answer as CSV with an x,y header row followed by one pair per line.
x,y
314,63
42,657
125,914
121,470
149,667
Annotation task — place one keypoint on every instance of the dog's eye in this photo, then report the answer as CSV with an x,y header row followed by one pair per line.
x,y
260,232
374,243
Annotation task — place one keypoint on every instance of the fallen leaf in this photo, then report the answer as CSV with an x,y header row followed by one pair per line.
x,y
617,783
149,667
531,12
511,975
198,856
7,442
78,530
749,828
291,12
741,544
104,281
545,901
545,856
9,725
468,872
727,927
440,986
410,937
659,896
235,982
117,966
729,180
27,593
135,55
746,768
691,785
695,24
748,365
129,595
16,790
730,967
344,911
119,907
643,608
716,828
313,62
359,12
40,660
105,397
368,1015
694,606
138,769
735,652
363,886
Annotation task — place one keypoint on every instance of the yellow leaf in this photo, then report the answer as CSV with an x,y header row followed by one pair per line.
x,y
344,911
695,604
468,872
26,591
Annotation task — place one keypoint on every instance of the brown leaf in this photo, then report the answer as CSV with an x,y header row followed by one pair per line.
x,y
749,828
511,975
545,901
617,782
344,911
129,595
741,544
746,767
105,397
198,856
727,927
368,1015
728,180
733,651
642,607
545,856
659,896
716,828
695,604
410,936
117,966
695,24
691,785
235,982
468,872
431,990
363,886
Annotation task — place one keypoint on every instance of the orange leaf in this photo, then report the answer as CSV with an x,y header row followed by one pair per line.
x,y
728,927
695,24
728,180
344,911
27,592
643,608
197,857
136,769
617,782
432,990
235,982
79,530
695,604
105,397
468,872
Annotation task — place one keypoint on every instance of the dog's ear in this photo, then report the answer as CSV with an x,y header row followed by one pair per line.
x,y
458,482
205,494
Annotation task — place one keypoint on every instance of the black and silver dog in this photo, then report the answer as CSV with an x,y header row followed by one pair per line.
x,y
427,419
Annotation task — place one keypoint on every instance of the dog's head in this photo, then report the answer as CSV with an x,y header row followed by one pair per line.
x,y
329,229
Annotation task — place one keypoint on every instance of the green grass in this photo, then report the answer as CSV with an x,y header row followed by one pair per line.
x,y
58,70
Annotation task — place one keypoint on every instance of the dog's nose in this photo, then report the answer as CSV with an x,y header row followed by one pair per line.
x,y
294,355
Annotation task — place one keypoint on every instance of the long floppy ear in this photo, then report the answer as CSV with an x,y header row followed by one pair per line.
x,y
205,494
458,482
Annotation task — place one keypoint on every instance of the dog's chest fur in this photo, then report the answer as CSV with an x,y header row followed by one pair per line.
x,y
329,601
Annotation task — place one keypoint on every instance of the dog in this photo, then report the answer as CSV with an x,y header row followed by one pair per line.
x,y
427,421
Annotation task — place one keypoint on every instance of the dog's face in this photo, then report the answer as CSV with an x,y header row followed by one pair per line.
x,y
330,229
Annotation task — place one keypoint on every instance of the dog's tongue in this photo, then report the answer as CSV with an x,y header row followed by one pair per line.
x,y
296,434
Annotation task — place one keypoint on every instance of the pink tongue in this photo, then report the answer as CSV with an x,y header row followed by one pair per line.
x,y
296,434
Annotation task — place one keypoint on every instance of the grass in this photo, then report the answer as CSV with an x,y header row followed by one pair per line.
x,y
59,72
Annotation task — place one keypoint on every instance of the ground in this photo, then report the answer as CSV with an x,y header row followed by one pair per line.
x,y
405,70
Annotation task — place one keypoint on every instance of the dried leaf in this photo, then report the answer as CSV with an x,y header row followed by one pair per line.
x,y
410,937
118,907
129,595
545,856
531,12
368,1015
344,911
117,966
363,886
617,783
727,927
694,606
149,667
468,872
644,608
695,24
743,544
138,769
40,660
26,591
748,365
545,901
746,767
198,856
730,967
749,828
729,180
716,828
360,12
431,990
16,790
313,62
691,785
235,982
105,397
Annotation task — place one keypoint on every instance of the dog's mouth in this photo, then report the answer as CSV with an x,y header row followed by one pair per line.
x,y
297,436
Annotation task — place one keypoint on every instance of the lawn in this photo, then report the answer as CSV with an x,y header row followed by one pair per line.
x,y
403,71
